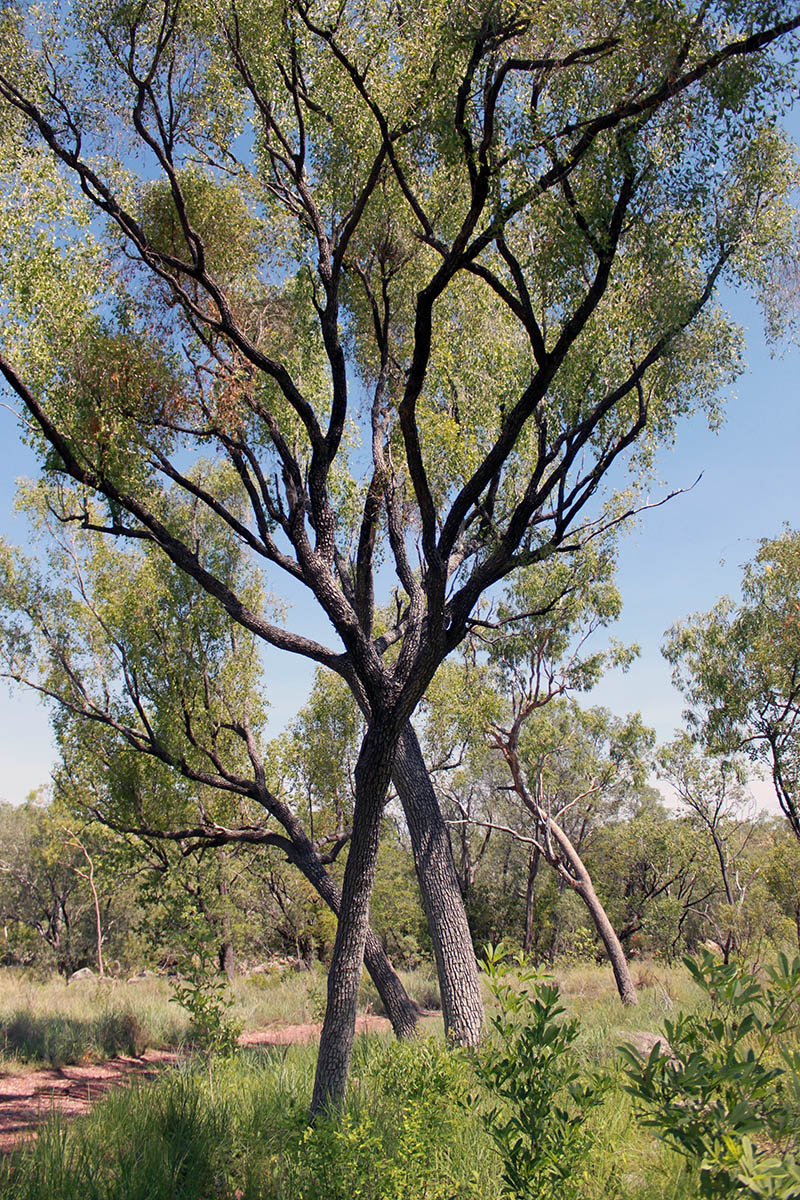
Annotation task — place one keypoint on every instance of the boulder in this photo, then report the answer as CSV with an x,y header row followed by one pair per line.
x,y
83,973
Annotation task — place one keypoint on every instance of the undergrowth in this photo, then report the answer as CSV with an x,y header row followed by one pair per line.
x,y
548,1107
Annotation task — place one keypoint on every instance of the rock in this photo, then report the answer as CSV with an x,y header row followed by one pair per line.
x,y
644,1043
83,973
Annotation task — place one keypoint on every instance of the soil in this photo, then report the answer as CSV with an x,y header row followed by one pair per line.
x,y
28,1098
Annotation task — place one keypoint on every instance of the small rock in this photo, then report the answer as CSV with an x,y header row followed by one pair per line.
x,y
644,1043
83,973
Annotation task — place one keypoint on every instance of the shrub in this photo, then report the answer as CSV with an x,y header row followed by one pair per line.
x,y
539,1098
726,1094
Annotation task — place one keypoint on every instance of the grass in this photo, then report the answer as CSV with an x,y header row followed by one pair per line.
x,y
58,1023
237,1129
412,1126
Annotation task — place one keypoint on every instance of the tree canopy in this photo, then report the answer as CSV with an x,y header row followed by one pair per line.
x,y
420,275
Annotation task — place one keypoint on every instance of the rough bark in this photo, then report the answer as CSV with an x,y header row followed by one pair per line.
x,y
372,775
462,1006
400,1008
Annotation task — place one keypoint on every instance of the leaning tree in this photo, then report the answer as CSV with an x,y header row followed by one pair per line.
x,y
158,708
421,273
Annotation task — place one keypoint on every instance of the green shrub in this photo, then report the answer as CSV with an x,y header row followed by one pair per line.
x,y
726,1093
395,1139
206,997
538,1097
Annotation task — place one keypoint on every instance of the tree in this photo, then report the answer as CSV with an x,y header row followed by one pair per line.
x,y
712,791
48,885
651,869
158,710
739,667
528,187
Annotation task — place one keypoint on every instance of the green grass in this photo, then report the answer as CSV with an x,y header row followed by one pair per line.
x,y
238,1131
59,1023
411,1128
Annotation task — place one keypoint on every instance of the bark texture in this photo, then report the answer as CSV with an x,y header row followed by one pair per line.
x,y
400,1008
373,772
462,1006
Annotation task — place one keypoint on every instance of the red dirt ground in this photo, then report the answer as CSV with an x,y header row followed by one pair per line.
x,y
28,1098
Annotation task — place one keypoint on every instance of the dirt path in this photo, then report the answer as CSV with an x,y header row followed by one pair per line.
x,y
27,1098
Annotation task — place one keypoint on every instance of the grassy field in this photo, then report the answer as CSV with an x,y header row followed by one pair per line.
x,y
55,1023
237,1129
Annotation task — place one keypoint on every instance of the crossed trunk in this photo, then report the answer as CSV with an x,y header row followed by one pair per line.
x,y
462,1006
385,754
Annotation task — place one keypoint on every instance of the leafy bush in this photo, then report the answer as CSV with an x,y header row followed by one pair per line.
x,y
539,1098
392,1142
726,1094
206,998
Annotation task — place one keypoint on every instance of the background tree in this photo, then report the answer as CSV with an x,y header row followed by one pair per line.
x,y
527,185
45,889
158,710
739,667
713,793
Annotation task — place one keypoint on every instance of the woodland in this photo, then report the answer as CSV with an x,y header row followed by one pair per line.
x,y
353,331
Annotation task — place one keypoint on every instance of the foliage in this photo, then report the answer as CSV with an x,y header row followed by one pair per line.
x,y
726,1090
739,666
356,1155
482,239
205,995
539,1099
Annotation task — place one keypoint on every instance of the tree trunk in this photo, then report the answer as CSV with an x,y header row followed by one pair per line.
x,y
400,1008
300,850
533,868
581,882
372,775
462,1006
227,958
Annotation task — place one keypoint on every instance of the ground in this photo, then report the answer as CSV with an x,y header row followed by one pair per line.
x,y
29,1097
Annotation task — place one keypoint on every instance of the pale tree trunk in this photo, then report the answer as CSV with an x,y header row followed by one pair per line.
x,y
372,775
462,1006
88,875
533,869
580,881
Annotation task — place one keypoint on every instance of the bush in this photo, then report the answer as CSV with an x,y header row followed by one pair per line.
x,y
539,1098
726,1094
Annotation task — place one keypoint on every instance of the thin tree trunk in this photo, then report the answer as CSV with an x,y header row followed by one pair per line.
x,y
580,880
462,1005
227,958
533,868
372,775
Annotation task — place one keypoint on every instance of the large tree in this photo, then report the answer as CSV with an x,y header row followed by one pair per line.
x,y
482,238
